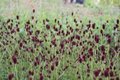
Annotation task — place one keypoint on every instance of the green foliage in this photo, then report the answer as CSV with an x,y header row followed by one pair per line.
x,y
89,3
69,65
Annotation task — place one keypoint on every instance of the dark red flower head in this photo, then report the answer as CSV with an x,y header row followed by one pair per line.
x,y
37,32
97,72
53,42
32,17
10,76
77,37
31,72
117,21
90,51
102,48
48,26
62,45
52,67
55,20
117,78
103,26
20,44
101,31
36,62
93,25
75,20
14,59
103,57
109,39
41,77
17,29
96,38
8,20
17,17
72,13
106,72
73,43
89,21
56,63
111,73
47,20
82,58
33,10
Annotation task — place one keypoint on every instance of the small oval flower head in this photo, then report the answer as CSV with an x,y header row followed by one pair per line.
x,y
117,78
103,57
48,26
10,76
75,21
52,67
33,11
96,38
56,63
93,25
103,26
77,37
102,48
31,72
37,32
101,31
14,59
17,17
109,39
17,29
32,17
62,45
41,77
8,20
117,21
90,51
36,62
81,58
47,20
55,20
111,74
97,72
106,72
72,13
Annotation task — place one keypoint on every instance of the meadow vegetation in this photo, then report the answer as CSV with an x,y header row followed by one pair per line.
x,y
54,41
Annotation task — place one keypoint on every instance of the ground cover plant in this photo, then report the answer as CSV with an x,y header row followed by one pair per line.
x,y
60,46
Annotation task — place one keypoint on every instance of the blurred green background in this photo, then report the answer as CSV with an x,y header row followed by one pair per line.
x,y
9,8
